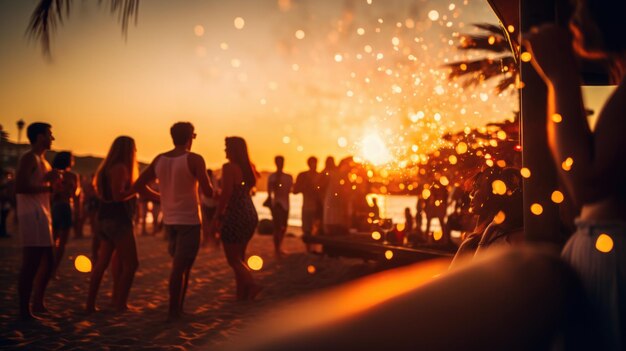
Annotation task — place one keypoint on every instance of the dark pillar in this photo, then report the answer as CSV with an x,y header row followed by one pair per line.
x,y
536,155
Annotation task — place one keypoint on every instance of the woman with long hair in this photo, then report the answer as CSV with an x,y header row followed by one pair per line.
x,y
62,198
595,179
237,217
115,175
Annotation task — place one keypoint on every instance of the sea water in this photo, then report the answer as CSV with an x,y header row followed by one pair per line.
x,y
391,206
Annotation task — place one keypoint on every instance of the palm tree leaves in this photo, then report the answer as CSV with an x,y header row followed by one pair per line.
x,y
475,72
49,13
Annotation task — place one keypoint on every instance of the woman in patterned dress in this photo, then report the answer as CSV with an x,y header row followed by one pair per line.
x,y
236,216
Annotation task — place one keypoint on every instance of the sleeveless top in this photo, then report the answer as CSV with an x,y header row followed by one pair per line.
x,y
33,210
179,190
119,211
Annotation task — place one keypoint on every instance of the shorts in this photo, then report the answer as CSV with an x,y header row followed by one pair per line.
x,y
112,230
61,215
35,229
279,216
596,251
184,240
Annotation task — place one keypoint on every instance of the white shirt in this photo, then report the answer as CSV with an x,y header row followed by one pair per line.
x,y
178,189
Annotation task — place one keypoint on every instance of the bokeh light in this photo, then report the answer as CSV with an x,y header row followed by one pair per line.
x,y
498,187
388,254
198,30
82,264
437,235
499,218
604,243
557,197
536,209
525,172
239,23
255,262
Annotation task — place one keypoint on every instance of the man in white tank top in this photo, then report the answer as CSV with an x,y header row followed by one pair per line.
x,y
33,186
179,173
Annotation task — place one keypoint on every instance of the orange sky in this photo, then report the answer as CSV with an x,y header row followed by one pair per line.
x,y
356,70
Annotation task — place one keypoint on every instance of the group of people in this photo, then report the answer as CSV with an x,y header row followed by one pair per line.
x,y
44,194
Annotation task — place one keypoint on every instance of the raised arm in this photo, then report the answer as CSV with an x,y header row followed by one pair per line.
x,y
586,160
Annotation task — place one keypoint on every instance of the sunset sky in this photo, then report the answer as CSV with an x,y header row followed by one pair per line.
x,y
297,78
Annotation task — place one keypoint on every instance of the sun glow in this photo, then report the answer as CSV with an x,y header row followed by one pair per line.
x,y
374,150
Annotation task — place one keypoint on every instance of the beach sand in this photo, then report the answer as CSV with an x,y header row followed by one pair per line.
x,y
215,315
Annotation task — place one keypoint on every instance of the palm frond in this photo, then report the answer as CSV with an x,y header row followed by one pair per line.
x,y
49,13
492,28
478,71
493,43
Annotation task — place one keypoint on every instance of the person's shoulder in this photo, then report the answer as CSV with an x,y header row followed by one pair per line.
x,y
229,166
28,157
157,157
195,156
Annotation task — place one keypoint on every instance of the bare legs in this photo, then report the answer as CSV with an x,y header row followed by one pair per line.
x,y
37,264
179,280
126,252
279,217
247,289
123,271
104,256
279,235
60,240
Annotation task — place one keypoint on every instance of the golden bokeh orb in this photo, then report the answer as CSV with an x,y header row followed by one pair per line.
x,y
604,243
82,264
536,209
557,197
255,262
388,254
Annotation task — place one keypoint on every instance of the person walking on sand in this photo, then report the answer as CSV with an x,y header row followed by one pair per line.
x,y
115,175
62,200
278,189
307,184
236,216
35,181
179,172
